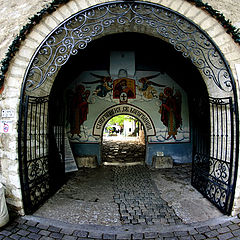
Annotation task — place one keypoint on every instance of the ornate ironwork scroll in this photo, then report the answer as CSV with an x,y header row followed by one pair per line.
x,y
213,157
77,31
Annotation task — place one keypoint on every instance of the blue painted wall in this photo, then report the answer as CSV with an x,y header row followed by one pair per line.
x,y
180,153
87,149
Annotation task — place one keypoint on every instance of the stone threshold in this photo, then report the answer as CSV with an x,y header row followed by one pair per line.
x,y
130,229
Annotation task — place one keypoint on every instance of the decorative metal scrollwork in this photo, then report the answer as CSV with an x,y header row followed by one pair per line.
x,y
213,164
76,32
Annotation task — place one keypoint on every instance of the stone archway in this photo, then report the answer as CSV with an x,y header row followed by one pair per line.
x,y
148,18
137,113
75,33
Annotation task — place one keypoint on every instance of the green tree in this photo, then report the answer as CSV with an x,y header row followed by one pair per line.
x,y
120,119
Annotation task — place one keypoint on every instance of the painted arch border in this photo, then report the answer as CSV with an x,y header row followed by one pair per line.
x,y
124,109
19,64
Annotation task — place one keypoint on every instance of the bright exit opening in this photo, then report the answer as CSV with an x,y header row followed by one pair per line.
x,y
123,141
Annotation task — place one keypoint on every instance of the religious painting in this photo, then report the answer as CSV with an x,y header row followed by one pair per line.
x,y
146,86
78,109
170,111
104,85
156,93
124,87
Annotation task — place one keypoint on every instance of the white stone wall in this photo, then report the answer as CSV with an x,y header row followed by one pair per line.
x,y
15,14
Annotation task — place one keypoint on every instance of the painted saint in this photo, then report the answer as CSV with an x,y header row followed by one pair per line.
x,y
124,85
79,109
170,110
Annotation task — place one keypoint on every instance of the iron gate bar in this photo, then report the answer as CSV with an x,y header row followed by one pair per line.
x,y
34,180
212,171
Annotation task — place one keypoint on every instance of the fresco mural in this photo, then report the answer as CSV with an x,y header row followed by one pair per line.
x,y
153,92
78,109
170,110
124,88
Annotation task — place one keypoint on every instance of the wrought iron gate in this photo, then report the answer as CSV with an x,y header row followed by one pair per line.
x,y
37,162
213,166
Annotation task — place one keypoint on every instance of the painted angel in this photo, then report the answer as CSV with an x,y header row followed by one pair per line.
x,y
105,85
146,87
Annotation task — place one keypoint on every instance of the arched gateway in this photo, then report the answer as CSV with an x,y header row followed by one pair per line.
x,y
213,136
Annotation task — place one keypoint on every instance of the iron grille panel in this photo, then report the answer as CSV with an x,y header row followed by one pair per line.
x,y
34,165
213,155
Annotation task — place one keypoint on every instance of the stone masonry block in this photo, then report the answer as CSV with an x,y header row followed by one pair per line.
x,y
42,29
185,6
215,30
229,48
73,6
36,36
167,3
86,161
162,162
201,17
193,12
208,23
13,81
82,4
222,38
66,11
176,5
57,15
50,22
17,71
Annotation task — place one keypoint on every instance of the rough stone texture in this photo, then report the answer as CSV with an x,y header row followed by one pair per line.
x,y
13,16
132,195
176,189
87,161
162,162
87,197
122,151
229,8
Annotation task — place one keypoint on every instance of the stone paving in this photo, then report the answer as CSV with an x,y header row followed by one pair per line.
x,y
117,150
36,228
137,178
138,198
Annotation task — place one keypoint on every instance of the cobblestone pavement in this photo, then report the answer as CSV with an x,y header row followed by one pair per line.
x,y
117,150
29,227
138,198
133,191
127,202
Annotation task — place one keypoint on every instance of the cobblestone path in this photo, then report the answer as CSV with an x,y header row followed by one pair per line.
x,y
131,191
122,151
138,199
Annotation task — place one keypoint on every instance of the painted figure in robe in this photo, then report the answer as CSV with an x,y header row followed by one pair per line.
x,y
79,109
170,111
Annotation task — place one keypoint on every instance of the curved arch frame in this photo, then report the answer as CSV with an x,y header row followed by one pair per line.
x,y
77,31
92,23
124,109
129,114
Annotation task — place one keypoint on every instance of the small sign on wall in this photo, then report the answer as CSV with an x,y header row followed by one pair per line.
x,y
8,113
6,126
